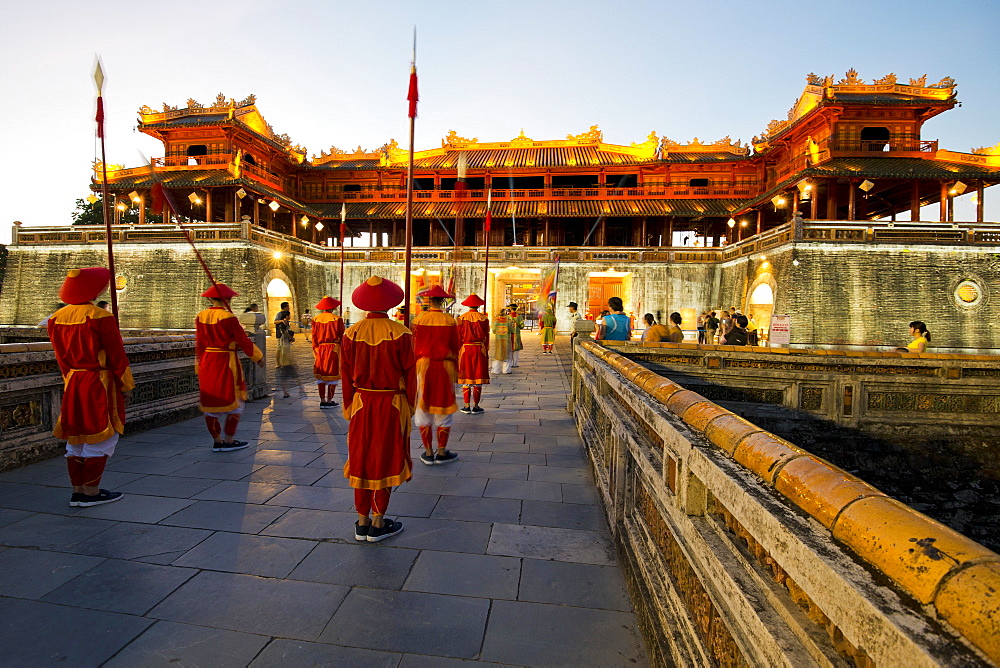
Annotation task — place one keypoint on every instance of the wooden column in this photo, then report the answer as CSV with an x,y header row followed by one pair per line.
x,y
915,200
208,205
370,244
944,202
602,233
760,220
256,211
979,201
831,199
546,240
644,239
668,241
795,202
814,203
852,200
142,207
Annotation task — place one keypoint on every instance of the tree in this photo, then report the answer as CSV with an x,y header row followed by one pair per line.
x,y
86,213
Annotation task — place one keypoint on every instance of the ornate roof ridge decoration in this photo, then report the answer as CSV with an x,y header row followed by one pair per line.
x,y
724,145
987,150
522,140
386,153
591,136
453,140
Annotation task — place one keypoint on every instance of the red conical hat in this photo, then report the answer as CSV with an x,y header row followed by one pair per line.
x,y
473,301
435,291
82,285
220,291
327,303
377,294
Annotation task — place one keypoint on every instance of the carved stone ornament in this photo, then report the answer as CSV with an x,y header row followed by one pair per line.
x,y
888,79
167,107
453,139
593,134
922,81
947,82
814,79
851,79
987,150
523,139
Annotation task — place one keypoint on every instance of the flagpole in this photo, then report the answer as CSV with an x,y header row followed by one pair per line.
x,y
343,226
412,97
486,232
105,196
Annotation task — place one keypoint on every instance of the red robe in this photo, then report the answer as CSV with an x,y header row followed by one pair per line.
x,y
379,392
328,330
435,344
218,335
89,350
473,357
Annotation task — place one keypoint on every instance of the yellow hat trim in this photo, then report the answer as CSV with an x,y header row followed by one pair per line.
x,y
73,273
374,280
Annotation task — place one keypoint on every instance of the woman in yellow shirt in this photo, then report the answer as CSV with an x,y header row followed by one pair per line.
x,y
921,337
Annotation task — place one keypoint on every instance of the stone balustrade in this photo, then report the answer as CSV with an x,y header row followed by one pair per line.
x,y
742,548
31,386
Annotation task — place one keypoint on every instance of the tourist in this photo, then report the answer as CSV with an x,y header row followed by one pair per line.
x,y
89,351
921,337
615,325
738,335
700,324
473,356
674,332
435,346
725,324
752,338
306,323
654,332
516,323
284,364
379,392
711,327
329,330
573,317
218,334
548,331
45,321
104,305
501,344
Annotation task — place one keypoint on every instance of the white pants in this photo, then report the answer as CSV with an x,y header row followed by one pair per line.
x,y
422,418
105,448
497,365
221,417
328,382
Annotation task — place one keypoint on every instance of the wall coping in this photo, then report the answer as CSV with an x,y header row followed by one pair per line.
x,y
934,564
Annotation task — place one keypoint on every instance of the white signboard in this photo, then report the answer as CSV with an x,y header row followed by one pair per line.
x,y
781,329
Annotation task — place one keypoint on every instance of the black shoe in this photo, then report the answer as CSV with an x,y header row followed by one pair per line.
x,y
388,528
229,447
444,458
361,532
466,410
99,499
476,410
427,459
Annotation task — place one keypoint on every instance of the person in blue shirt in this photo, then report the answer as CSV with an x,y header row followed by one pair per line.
x,y
615,326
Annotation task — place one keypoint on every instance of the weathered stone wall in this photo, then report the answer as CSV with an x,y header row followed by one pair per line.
x,y
743,549
869,293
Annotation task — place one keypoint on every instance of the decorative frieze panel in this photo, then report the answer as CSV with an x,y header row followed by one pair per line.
x,y
758,395
926,402
24,369
853,369
23,416
811,398
165,387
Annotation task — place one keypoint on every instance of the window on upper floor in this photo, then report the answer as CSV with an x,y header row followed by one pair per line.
x,y
197,149
875,139
249,159
698,183
621,180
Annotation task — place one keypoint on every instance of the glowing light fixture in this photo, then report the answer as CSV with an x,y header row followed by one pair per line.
x,y
319,226
241,193
305,221
778,201
134,196
958,188
194,199
92,198
121,206
276,255
731,223
743,223
274,206
866,185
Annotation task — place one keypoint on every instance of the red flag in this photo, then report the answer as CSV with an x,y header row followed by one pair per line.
x,y
100,116
411,95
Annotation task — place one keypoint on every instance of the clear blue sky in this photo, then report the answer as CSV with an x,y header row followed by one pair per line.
x,y
335,73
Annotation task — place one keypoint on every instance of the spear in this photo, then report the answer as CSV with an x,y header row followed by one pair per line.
x,y
412,97
489,220
343,229
99,80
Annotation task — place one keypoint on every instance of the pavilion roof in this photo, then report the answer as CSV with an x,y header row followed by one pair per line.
x,y
900,168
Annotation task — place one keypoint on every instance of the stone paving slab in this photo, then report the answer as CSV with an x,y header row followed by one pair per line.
x,y
249,557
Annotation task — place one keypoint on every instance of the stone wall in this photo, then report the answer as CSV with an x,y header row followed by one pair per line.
x,y
31,392
869,293
743,549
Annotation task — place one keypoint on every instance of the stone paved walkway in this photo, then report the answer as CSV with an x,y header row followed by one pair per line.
x,y
248,557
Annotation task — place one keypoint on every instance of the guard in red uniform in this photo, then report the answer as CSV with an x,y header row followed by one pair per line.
x,y
435,342
328,330
473,356
89,350
379,392
218,335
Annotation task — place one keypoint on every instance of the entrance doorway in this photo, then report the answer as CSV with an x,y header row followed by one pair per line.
x,y
277,292
518,286
420,280
603,286
760,308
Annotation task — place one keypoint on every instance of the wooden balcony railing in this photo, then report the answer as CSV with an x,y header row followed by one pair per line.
x,y
662,191
883,146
